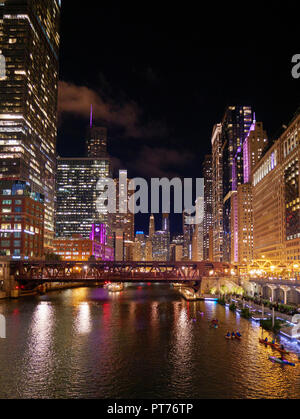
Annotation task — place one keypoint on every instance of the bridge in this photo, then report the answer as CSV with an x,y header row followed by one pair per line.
x,y
37,273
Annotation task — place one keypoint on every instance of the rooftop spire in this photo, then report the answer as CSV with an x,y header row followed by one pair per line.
x,y
91,117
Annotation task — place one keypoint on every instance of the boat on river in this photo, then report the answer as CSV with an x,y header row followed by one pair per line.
x,y
281,361
275,346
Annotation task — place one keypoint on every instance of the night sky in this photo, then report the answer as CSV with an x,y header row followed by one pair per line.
x,y
160,78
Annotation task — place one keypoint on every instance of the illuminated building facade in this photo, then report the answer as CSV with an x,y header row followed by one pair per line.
x,y
166,229
151,227
119,245
208,206
242,225
176,252
140,247
29,42
123,220
268,206
188,232
80,249
148,250
160,249
22,221
242,199
253,147
77,208
217,193
176,249
235,128
96,143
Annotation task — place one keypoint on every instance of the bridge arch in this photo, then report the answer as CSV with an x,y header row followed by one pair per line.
x,y
293,296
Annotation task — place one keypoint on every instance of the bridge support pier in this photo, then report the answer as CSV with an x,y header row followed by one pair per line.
x,y
272,288
285,290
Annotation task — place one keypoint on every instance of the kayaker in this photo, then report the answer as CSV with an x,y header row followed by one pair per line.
x,y
266,340
228,335
273,342
233,335
238,334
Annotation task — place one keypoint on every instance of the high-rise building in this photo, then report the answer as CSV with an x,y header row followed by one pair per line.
x,y
140,247
123,220
253,147
29,42
176,249
160,249
166,229
242,225
151,227
188,231
96,143
77,195
276,201
119,245
217,193
208,205
235,127
242,199
22,221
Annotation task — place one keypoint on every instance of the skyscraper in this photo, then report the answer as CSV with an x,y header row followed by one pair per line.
x,y
253,147
151,227
119,220
235,128
96,143
160,247
208,205
77,194
217,193
276,201
166,229
29,42
242,199
188,231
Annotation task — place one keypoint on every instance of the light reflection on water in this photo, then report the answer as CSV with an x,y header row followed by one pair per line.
x,y
145,342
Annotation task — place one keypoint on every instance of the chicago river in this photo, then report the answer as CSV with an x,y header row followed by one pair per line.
x,y
144,342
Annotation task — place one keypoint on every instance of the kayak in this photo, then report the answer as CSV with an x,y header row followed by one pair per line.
x,y
265,343
274,346
282,351
281,361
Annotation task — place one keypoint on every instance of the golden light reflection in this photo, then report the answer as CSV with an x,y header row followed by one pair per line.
x,y
83,320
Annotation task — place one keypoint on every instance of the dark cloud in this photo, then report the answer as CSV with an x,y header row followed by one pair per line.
x,y
160,162
77,100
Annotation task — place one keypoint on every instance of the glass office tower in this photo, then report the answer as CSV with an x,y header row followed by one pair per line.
x,y
29,42
235,128
77,209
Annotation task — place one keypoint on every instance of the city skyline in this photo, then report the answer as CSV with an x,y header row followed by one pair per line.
x,y
149,203
168,94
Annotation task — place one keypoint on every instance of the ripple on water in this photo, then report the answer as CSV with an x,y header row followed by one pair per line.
x,y
145,342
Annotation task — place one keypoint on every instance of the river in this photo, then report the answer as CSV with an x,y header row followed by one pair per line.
x,y
145,342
